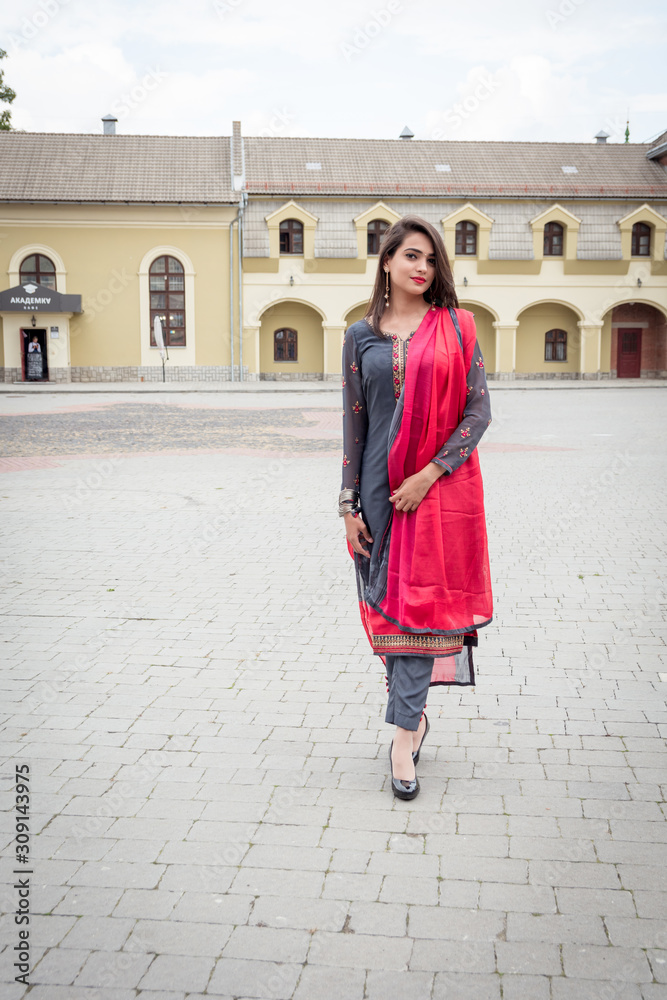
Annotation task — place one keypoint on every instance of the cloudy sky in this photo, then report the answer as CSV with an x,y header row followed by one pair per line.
x,y
539,70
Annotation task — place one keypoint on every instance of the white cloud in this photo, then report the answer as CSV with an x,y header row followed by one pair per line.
x,y
356,69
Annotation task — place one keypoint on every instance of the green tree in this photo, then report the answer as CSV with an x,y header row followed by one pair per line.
x,y
7,95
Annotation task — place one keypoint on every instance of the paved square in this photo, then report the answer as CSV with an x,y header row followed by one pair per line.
x,y
185,671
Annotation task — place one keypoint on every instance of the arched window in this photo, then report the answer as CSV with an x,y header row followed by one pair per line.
x,y
466,238
167,291
38,269
376,230
641,240
555,345
291,236
553,239
285,345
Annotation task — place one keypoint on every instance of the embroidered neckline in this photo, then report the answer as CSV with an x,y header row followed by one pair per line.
x,y
398,336
398,358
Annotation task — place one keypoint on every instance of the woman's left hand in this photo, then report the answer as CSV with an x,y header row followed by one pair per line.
x,y
412,490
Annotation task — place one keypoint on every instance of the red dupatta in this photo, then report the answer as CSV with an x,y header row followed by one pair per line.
x,y
434,589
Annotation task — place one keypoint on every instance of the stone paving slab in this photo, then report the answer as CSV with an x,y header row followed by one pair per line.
x,y
185,672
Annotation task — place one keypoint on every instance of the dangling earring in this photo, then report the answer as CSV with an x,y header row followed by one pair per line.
x,y
386,288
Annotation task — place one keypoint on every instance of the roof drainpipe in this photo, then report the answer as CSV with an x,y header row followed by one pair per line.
x,y
237,164
240,261
231,294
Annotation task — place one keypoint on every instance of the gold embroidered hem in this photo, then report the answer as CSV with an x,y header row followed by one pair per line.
x,y
427,642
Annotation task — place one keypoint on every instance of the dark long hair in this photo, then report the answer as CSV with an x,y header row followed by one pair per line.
x,y
442,291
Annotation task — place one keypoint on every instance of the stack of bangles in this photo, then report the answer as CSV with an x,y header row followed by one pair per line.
x,y
348,503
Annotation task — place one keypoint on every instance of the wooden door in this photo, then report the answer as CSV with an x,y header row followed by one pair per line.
x,y
629,352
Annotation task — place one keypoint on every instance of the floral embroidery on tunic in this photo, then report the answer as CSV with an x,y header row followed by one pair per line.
x,y
399,356
354,367
396,366
483,392
344,383
357,407
469,390
346,460
479,363
463,452
465,432
356,480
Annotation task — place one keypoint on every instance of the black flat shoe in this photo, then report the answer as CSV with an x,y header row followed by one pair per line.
x,y
401,787
415,753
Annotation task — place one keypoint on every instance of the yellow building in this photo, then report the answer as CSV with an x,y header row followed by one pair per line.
x,y
557,248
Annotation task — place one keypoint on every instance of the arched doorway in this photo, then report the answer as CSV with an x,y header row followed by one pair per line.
x,y
291,342
636,342
355,314
548,341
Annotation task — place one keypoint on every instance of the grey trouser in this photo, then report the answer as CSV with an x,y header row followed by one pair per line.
x,y
408,679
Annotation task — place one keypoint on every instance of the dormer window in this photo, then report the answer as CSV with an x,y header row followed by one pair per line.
x,y
466,239
291,236
641,240
376,230
553,239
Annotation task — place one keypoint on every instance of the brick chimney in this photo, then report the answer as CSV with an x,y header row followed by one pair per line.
x,y
237,156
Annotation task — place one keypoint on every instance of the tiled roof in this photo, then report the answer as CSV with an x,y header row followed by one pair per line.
x,y
37,166
382,167
171,169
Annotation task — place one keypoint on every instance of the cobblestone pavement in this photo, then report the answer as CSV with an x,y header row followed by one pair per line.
x,y
185,672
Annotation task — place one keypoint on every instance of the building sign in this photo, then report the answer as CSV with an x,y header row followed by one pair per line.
x,y
36,298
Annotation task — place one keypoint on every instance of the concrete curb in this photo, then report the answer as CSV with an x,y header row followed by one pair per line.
x,y
57,388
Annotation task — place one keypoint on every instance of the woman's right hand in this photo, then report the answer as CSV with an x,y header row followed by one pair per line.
x,y
357,533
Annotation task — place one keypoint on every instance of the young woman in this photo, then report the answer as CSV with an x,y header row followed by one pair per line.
x,y
415,405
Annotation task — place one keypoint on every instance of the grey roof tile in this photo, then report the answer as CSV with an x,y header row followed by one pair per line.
x,y
115,168
277,165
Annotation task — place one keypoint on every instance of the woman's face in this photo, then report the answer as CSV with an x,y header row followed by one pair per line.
x,y
412,268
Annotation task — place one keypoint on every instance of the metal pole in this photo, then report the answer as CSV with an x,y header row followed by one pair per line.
x,y
231,297
240,266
